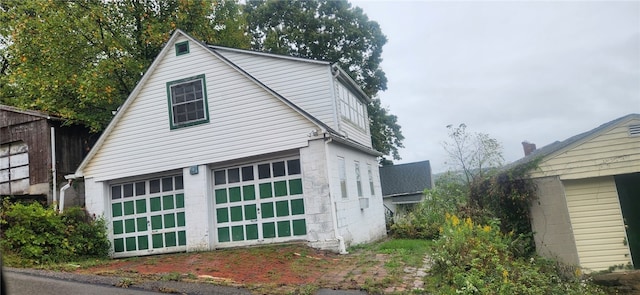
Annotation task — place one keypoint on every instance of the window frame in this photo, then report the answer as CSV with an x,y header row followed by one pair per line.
x,y
170,84
352,109
358,179
177,45
371,183
342,177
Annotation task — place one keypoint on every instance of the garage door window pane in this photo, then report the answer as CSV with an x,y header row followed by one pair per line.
x,y
157,241
293,167
179,200
116,192
170,239
234,175
116,209
223,234
155,203
219,177
264,171
269,230
154,186
141,206
167,184
247,173
284,228
299,227
265,190
179,183
118,228
143,242
278,169
140,188
128,190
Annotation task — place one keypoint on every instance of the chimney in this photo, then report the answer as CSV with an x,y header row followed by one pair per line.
x,y
528,147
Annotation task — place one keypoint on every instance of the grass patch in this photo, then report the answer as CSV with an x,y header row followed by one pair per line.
x,y
410,252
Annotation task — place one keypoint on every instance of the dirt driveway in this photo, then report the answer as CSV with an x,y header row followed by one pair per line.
x,y
278,269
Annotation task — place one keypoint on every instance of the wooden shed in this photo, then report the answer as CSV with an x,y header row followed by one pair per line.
x,y
588,207
30,143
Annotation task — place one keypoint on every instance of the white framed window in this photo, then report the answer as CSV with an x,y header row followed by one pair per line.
x,y
342,175
187,102
351,108
371,186
358,178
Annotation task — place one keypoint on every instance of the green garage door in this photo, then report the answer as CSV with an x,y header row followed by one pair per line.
x,y
148,217
262,201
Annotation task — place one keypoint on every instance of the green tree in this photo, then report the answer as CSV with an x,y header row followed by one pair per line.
x,y
81,59
475,154
332,31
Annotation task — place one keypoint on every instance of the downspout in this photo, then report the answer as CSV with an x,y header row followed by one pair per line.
x,y
62,192
54,191
342,248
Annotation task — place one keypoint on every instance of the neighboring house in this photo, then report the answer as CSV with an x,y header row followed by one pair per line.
x,y
403,185
588,189
31,143
219,147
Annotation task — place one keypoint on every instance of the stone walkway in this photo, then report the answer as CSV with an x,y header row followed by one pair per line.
x,y
413,278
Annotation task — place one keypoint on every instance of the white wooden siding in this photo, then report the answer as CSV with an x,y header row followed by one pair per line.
x,y
307,85
245,120
610,153
350,129
597,222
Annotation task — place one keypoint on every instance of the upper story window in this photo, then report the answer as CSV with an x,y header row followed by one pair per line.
x,y
187,102
351,108
182,48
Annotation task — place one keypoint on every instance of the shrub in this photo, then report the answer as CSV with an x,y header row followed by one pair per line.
x,y
478,259
39,234
424,221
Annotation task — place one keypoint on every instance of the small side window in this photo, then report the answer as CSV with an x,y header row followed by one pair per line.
x,y
182,48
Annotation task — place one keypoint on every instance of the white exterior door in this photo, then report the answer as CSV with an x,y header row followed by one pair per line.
x,y
259,202
148,216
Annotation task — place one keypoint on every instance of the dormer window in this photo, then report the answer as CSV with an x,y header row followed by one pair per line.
x,y
182,48
351,108
187,102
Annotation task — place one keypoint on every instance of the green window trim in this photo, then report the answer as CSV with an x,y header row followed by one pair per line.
x,y
174,124
182,48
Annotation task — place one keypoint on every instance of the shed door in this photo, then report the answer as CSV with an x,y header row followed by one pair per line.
x,y
259,202
14,168
148,216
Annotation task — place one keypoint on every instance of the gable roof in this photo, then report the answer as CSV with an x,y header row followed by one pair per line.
x,y
337,70
177,33
403,179
559,146
29,112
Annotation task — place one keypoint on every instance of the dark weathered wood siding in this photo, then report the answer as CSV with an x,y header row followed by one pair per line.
x,y
72,144
34,131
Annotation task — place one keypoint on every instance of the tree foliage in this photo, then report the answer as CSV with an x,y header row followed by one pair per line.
x,y
333,31
81,59
475,154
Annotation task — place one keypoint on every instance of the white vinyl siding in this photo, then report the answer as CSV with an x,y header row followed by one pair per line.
x,y
597,222
610,153
245,120
306,84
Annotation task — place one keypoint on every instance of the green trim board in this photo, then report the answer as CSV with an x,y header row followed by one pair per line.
x,y
187,102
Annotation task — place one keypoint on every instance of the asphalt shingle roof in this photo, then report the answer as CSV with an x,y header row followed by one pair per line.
x,y
404,179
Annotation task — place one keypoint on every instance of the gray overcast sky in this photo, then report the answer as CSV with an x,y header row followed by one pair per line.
x,y
516,70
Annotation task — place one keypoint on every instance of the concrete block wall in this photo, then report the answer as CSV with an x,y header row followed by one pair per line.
x,y
318,202
551,223
356,225
198,208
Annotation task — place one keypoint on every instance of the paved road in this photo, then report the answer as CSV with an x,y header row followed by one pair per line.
x,y
25,284
29,281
